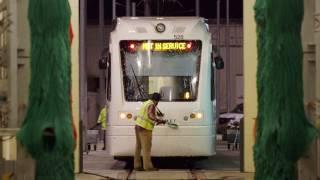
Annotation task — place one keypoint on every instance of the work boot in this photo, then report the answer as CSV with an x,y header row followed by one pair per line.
x,y
152,169
138,169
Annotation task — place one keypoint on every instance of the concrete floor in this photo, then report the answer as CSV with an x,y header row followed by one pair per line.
x,y
224,165
173,175
224,160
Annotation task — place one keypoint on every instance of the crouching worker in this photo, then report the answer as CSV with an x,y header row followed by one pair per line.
x,y
145,122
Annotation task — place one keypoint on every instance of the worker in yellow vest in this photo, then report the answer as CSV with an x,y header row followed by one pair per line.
x,y
145,122
102,120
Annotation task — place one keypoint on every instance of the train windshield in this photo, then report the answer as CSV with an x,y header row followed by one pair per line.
x,y
168,67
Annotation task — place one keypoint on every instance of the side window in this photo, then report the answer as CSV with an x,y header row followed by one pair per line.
x,y
213,87
105,65
216,64
108,78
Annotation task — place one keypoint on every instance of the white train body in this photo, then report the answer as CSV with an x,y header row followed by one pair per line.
x,y
176,63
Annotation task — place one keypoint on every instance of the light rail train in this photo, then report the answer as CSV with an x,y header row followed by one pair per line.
x,y
172,56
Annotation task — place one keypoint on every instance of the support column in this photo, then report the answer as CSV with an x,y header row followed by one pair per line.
x,y
114,9
317,43
83,81
1,150
102,82
133,9
218,75
250,90
13,64
307,165
198,8
128,7
228,60
147,8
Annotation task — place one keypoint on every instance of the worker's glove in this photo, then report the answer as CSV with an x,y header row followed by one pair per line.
x,y
160,121
160,114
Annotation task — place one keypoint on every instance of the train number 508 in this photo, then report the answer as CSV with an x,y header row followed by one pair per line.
x,y
178,36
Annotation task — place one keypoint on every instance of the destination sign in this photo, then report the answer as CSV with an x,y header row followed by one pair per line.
x,y
165,46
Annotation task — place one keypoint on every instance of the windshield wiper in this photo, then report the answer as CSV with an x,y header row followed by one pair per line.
x,y
137,82
159,113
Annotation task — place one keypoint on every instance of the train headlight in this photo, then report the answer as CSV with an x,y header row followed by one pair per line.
x,y
122,115
125,115
192,115
199,115
196,115
129,115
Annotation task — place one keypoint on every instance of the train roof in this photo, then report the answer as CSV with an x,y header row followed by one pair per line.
x,y
161,18
173,25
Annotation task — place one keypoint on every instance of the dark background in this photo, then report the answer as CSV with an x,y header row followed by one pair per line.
x,y
166,8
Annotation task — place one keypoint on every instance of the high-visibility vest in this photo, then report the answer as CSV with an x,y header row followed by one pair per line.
x,y
143,119
103,118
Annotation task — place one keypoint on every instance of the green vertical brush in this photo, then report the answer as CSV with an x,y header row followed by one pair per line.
x,y
283,131
47,132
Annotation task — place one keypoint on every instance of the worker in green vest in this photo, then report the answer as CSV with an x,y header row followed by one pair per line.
x,y
145,121
102,120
